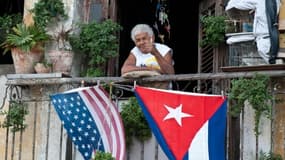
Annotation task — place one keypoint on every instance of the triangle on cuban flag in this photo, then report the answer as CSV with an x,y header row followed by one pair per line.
x,y
187,126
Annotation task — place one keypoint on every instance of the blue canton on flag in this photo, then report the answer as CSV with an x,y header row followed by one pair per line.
x,y
92,121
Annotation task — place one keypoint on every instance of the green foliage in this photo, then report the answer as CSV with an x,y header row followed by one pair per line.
x,y
48,11
94,72
15,116
24,37
98,41
256,92
270,156
214,28
134,122
103,156
6,24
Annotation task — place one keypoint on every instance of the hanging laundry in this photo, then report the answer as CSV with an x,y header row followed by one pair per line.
x,y
261,29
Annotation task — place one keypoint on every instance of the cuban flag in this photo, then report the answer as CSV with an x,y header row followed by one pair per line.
x,y
92,121
188,126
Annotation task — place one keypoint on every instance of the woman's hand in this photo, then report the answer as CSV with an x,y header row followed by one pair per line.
x,y
149,46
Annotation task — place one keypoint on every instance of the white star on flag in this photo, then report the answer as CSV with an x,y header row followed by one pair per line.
x,y
176,113
92,121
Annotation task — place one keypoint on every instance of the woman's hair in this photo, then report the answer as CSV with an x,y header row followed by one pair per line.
x,y
141,28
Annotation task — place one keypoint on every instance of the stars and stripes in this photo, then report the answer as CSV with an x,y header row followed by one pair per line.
x,y
92,121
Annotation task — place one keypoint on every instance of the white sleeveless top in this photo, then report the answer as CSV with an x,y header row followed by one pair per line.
x,y
147,59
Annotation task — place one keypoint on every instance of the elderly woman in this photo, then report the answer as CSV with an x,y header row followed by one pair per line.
x,y
148,55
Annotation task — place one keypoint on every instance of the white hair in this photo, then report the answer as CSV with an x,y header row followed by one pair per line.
x,y
141,28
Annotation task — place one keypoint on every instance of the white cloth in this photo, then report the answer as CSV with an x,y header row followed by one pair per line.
x,y
240,38
260,25
148,59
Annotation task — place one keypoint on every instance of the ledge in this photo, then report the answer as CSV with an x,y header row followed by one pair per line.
x,y
36,76
254,68
18,80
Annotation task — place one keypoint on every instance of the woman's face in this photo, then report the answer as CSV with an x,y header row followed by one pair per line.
x,y
143,41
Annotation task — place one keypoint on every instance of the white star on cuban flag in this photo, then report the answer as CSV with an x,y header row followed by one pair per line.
x,y
176,113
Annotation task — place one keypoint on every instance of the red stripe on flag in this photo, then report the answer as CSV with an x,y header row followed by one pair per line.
x,y
106,106
95,106
116,122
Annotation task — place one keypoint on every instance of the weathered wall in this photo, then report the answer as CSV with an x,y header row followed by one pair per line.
x,y
278,125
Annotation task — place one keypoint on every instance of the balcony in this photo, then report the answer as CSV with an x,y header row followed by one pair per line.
x,y
45,137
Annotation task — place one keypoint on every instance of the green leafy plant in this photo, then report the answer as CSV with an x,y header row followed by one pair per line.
x,y
214,28
255,91
50,15
48,11
7,22
270,156
25,38
15,116
103,156
99,42
134,122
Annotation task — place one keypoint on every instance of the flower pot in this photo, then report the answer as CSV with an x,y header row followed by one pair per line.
x,y
42,68
61,60
24,61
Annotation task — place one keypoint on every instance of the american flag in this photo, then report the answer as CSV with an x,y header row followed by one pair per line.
x,y
92,121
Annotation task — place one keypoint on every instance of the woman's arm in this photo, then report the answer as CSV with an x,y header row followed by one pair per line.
x,y
129,64
165,63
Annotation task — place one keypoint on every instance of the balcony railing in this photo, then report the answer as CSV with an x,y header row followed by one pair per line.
x,y
45,137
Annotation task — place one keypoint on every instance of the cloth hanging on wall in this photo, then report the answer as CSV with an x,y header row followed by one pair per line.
x,y
272,19
260,23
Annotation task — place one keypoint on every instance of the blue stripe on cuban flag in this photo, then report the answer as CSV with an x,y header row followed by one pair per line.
x,y
209,143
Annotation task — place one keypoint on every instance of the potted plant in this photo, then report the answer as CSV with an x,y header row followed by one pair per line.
x,y
58,50
46,12
214,28
51,15
43,67
98,42
26,45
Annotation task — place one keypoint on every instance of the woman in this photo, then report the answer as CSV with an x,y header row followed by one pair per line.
x,y
148,55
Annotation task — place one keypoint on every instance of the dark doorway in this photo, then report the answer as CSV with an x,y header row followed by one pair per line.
x,y
9,7
183,20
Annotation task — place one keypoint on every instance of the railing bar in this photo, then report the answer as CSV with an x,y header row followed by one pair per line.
x,y
47,130
61,139
186,86
13,145
94,80
20,145
7,144
35,130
